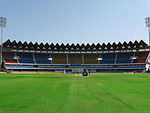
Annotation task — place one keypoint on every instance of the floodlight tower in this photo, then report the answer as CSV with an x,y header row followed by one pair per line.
x,y
2,25
147,21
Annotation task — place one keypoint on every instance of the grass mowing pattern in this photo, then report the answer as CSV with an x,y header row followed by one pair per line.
x,y
66,93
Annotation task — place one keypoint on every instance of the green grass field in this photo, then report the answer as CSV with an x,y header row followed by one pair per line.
x,y
67,93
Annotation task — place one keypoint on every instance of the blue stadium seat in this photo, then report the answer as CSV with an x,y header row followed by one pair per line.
x,y
42,58
25,57
124,58
108,58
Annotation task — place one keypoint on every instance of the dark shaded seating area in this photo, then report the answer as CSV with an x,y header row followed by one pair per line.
x,y
42,58
124,58
25,58
9,57
141,57
108,58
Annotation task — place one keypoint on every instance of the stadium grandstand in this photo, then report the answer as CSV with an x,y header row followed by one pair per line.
x,y
121,57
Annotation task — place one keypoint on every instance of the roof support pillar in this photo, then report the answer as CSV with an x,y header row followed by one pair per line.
x,y
82,58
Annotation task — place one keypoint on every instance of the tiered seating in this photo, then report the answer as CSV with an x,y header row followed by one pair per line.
x,y
90,59
25,57
141,57
124,57
9,57
42,58
75,59
59,58
108,58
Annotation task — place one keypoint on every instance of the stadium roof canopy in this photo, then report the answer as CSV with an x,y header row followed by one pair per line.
x,y
75,47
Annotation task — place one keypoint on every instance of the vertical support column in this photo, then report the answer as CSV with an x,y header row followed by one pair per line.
x,y
51,57
67,58
116,58
132,57
99,60
34,58
16,58
148,58
82,58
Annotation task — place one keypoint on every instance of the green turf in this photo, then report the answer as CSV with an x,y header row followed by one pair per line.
x,y
66,93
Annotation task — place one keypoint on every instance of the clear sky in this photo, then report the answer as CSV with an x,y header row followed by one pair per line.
x,y
75,21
